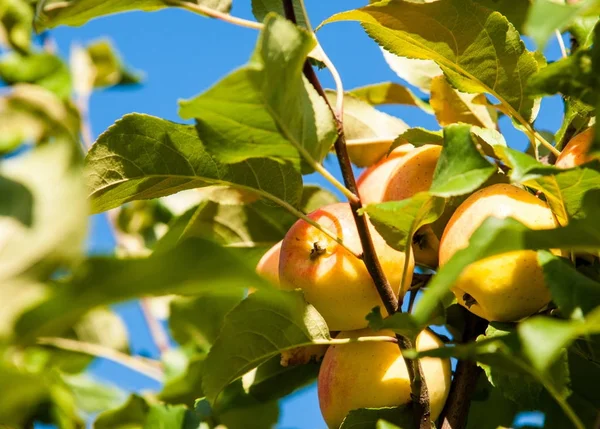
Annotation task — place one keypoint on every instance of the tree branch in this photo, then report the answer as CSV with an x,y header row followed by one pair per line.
x,y
456,410
419,392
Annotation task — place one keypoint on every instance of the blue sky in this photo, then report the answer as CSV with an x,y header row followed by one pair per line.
x,y
181,55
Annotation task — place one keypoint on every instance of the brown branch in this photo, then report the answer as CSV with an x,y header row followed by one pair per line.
x,y
456,410
419,392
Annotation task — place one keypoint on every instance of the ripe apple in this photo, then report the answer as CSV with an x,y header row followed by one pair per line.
x,y
575,152
374,375
403,174
506,287
268,266
334,280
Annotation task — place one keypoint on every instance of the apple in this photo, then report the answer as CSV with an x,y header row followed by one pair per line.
x,y
268,266
374,375
403,174
506,287
576,151
334,280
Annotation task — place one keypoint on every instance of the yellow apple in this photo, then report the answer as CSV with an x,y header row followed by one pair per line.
x,y
374,375
334,280
403,174
575,152
506,287
268,266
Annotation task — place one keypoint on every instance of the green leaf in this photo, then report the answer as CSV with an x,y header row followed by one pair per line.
x,y
43,69
514,10
489,408
245,116
271,381
171,416
461,168
259,328
108,67
261,8
198,320
397,221
32,114
52,13
236,409
367,418
401,323
543,339
573,76
577,117
573,292
484,54
93,396
38,234
389,93
451,106
16,17
496,236
546,16
418,137
162,158
130,415
187,269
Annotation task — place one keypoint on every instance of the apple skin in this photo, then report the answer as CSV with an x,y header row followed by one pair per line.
x,y
506,287
406,172
333,280
576,151
268,266
374,375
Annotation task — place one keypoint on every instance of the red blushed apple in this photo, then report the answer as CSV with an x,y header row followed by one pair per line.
x,y
334,280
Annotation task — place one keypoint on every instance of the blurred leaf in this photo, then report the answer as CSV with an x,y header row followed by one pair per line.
x,y
172,417
109,69
162,158
130,415
461,168
51,13
41,235
261,8
545,16
571,290
483,55
187,269
185,387
315,197
582,29
418,73
245,116
238,410
369,132
389,93
367,418
257,329
16,17
43,69
452,106
93,396
31,114
496,236
198,320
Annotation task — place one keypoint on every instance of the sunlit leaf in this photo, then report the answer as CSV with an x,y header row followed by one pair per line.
x,y
162,158
43,69
278,321
389,93
483,55
245,116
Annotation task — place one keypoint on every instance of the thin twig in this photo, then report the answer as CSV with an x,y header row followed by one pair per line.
x,y
561,43
456,410
212,13
136,364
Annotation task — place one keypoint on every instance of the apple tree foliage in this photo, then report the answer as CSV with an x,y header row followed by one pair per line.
x,y
257,132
